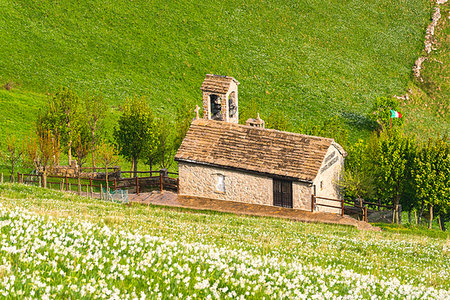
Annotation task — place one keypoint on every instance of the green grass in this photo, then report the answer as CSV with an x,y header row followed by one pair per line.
x,y
76,242
310,59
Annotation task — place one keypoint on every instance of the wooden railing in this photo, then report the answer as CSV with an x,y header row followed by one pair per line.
x,y
340,206
162,182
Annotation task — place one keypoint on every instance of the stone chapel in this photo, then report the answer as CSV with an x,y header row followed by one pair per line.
x,y
222,159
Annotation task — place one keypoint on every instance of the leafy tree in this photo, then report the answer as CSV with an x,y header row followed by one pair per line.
x,y
136,130
395,151
95,110
184,116
431,175
380,112
358,179
63,117
12,156
165,149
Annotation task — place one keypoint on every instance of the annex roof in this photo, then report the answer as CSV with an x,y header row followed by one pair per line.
x,y
254,149
217,83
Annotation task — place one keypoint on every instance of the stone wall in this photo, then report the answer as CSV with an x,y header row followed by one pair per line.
x,y
326,182
302,195
73,172
201,181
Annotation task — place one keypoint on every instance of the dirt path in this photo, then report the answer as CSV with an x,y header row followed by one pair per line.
x,y
172,200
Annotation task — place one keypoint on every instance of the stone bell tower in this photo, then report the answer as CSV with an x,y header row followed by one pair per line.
x,y
220,98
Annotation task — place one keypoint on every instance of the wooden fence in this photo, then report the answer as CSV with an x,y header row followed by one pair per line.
x,y
351,206
161,181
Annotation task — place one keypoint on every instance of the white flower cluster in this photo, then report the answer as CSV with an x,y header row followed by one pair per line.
x,y
46,258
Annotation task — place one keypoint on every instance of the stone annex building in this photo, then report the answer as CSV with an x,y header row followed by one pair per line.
x,y
221,159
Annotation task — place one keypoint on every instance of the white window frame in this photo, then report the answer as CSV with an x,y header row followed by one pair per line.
x,y
220,183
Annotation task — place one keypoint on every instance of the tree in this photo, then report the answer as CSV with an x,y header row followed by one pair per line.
x,y
358,180
184,116
12,156
41,152
165,149
395,151
63,117
136,130
431,175
380,113
95,110
107,156
82,146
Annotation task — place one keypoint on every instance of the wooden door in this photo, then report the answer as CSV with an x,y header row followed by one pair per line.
x,y
282,193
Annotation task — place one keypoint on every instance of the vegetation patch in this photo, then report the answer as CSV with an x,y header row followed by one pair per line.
x,y
166,253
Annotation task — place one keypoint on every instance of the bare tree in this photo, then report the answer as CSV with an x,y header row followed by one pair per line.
x,y
107,155
82,149
12,156
41,153
96,109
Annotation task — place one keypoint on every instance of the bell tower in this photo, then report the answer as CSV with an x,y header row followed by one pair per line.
x,y
220,98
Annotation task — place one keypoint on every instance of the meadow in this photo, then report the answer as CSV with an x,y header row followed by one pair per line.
x,y
308,59
61,245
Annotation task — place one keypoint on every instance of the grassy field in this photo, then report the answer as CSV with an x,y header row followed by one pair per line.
x,y
60,245
309,59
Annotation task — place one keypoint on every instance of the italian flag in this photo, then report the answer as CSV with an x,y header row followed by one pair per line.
x,y
395,114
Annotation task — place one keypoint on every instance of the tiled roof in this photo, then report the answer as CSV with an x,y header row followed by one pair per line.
x,y
217,83
254,149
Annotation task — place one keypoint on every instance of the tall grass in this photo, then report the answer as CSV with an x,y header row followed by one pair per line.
x,y
309,59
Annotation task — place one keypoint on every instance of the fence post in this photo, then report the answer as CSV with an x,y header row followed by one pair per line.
x,y
137,186
101,191
61,186
365,214
393,214
79,185
178,185
115,184
18,177
161,181
342,207
313,199
87,190
40,181
67,183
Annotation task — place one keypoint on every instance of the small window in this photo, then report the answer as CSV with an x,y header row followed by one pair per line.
x,y
321,185
215,107
232,107
220,183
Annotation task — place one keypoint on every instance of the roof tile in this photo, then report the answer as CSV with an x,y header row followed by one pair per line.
x,y
255,149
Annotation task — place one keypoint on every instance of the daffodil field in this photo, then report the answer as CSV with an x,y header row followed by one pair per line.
x,y
56,245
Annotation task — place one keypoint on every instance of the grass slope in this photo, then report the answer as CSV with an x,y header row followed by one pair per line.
x,y
310,59
60,245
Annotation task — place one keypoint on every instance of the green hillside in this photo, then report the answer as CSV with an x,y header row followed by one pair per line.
x,y
57,245
310,59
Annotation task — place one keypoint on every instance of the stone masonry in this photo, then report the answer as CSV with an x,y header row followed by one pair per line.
x,y
201,181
